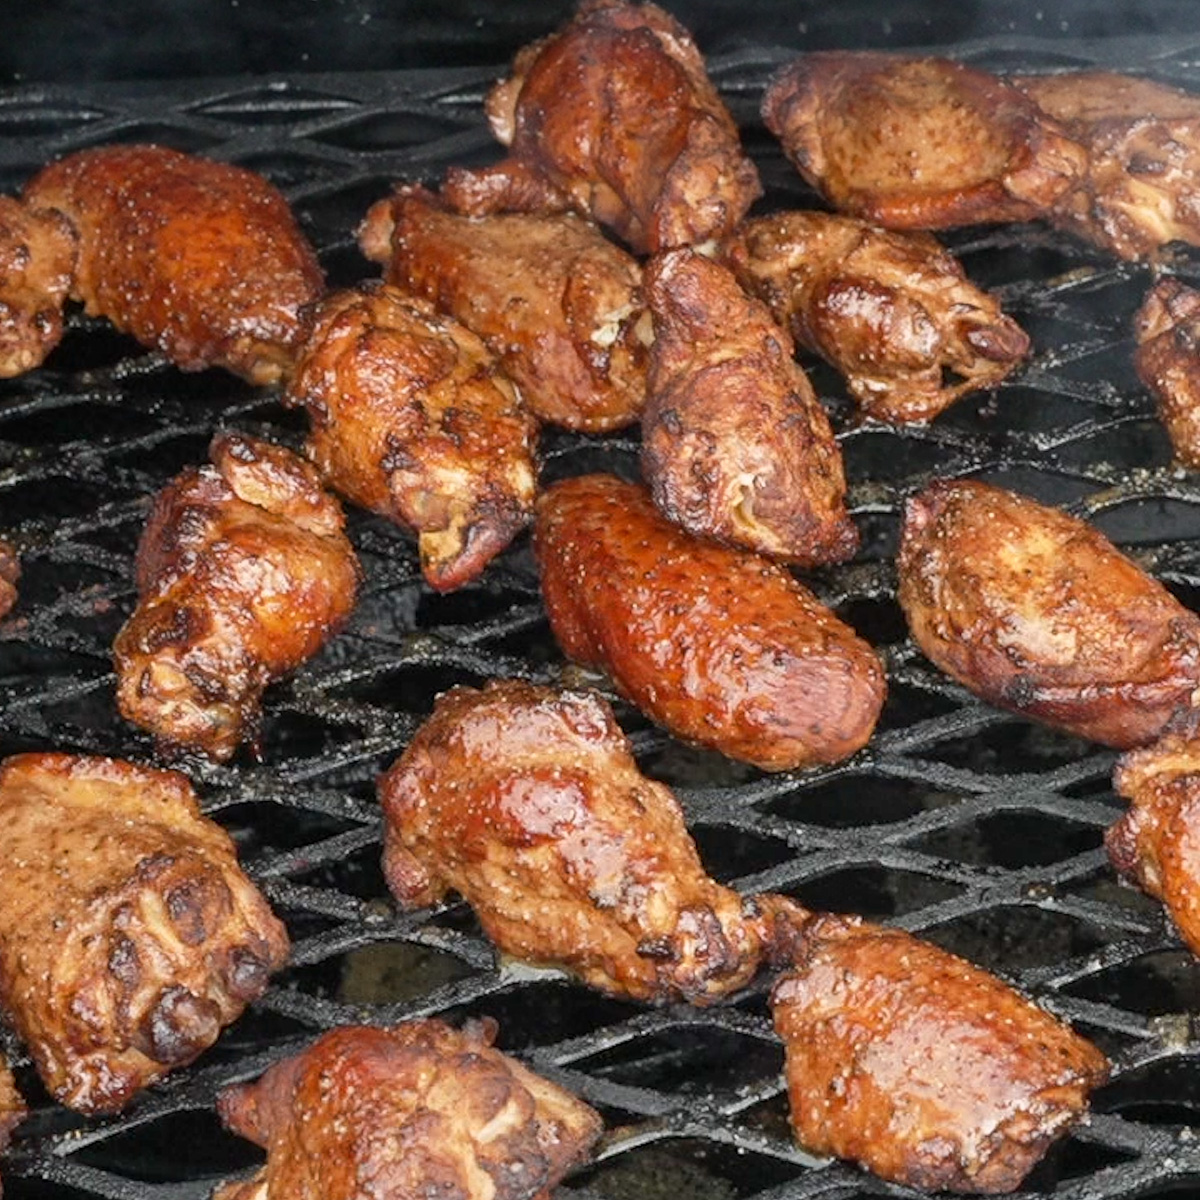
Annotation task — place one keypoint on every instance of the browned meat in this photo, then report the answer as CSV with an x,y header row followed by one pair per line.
x,y
1039,613
37,262
10,572
919,143
721,646
199,259
528,803
735,444
129,936
1167,329
411,1110
893,312
558,304
615,117
412,418
12,1107
921,1067
243,572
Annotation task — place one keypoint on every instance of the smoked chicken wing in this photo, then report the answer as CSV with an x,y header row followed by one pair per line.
x,y
615,117
199,259
893,312
557,303
10,572
129,936
412,418
1167,331
243,572
720,646
12,1107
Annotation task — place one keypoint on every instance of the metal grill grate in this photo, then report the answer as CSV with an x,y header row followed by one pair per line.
x,y
971,827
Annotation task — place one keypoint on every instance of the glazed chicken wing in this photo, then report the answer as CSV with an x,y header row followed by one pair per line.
x,y
1167,330
557,303
407,1111
735,444
199,259
919,143
12,1107
720,646
1037,612
243,572
615,117
412,418
10,572
129,936
528,803
893,312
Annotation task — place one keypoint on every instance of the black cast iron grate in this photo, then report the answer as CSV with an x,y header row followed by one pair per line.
x,y
979,831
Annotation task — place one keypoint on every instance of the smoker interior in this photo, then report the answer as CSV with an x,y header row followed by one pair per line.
x,y
969,827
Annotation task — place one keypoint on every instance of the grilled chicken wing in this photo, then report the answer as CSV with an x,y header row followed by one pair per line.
x,y
720,646
893,312
615,117
558,304
10,572
243,573
412,418
411,1110
1167,330
1037,612
129,936
736,445
920,1066
919,143
199,259
12,1107
528,803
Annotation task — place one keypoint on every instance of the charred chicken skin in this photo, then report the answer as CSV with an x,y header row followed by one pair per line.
x,y
12,1107
412,418
129,936
735,444
1037,612
528,803
919,143
921,1067
722,647
10,572
243,572
557,303
1167,331
615,117
411,1110
893,312
199,259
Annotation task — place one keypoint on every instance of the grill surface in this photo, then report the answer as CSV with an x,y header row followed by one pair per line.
x,y
975,829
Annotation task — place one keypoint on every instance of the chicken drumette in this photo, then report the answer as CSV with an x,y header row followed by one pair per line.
x,y
129,936
1167,331
243,572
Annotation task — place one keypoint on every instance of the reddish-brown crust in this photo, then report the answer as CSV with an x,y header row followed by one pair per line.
x,y
721,646
1167,331
12,1107
10,572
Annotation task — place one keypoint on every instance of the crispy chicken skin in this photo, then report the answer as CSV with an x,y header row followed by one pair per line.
x,y
557,303
615,117
412,418
199,259
1037,612
243,572
410,1110
37,263
919,143
720,646
893,312
921,1067
528,802
735,444
12,1107
1167,331
129,936
10,572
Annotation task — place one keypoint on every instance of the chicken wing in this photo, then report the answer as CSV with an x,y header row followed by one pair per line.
x,y
1037,612
720,646
12,1107
243,572
10,572
412,418
1167,330
129,936
410,1110
528,803
921,1067
615,117
919,143
893,312
735,444
199,259
557,303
